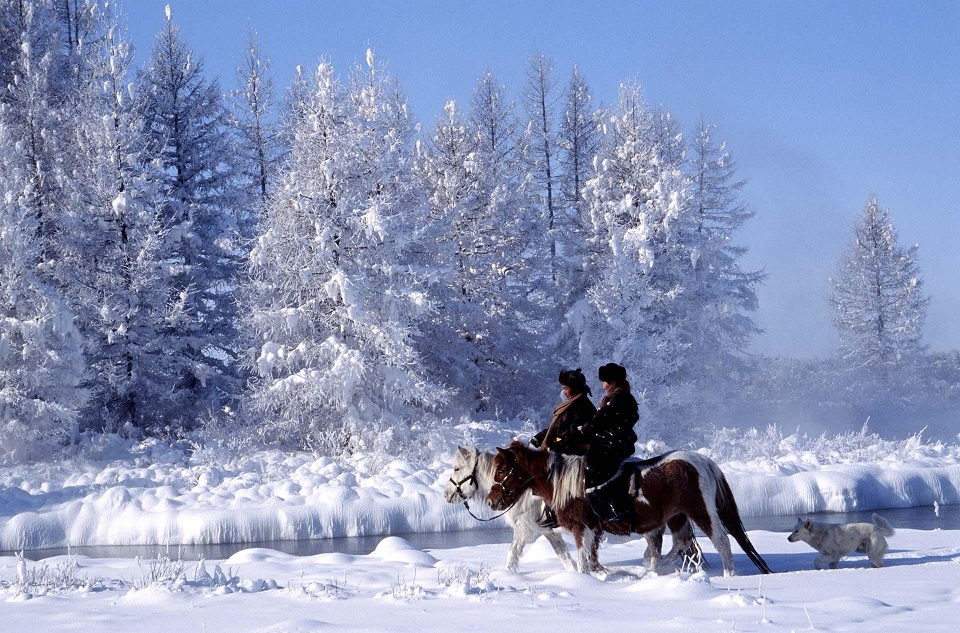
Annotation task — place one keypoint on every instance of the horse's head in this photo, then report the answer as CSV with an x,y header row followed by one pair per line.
x,y
463,482
510,480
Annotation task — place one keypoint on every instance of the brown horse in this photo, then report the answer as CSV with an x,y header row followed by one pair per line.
x,y
681,484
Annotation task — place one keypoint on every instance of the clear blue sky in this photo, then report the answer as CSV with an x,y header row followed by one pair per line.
x,y
822,104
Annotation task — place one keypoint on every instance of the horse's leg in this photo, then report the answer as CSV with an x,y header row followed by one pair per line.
x,y
718,536
595,553
560,547
651,556
521,535
584,540
685,544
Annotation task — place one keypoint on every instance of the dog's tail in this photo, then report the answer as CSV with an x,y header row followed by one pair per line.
x,y
730,517
883,528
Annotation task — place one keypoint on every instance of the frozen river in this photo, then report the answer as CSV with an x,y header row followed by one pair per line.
x,y
919,518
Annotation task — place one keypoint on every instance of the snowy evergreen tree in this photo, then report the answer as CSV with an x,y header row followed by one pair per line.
x,y
126,303
877,298
33,112
253,112
481,221
724,292
578,141
42,366
198,202
539,103
334,305
638,312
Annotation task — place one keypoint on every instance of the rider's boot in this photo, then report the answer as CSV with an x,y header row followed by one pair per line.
x,y
611,505
548,520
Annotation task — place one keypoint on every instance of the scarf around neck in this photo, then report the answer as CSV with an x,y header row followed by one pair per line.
x,y
561,408
619,389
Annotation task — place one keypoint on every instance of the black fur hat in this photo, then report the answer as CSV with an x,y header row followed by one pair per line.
x,y
612,372
575,380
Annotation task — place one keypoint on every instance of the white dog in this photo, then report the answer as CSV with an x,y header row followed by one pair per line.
x,y
834,541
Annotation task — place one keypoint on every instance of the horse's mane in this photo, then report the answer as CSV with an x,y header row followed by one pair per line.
x,y
565,472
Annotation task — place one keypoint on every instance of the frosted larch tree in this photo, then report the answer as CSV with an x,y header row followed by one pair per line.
x,y
725,292
334,304
877,299
253,111
578,141
42,367
189,138
481,219
637,312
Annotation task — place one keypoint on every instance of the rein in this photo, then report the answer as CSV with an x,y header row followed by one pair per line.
x,y
493,518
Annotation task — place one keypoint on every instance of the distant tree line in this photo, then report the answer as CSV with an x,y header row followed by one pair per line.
x,y
315,270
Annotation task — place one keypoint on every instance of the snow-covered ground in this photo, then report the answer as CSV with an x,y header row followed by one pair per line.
x,y
400,588
118,493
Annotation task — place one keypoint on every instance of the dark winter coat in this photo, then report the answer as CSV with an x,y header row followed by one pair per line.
x,y
611,436
563,434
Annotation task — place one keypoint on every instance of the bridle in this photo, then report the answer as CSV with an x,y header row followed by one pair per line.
x,y
507,491
473,477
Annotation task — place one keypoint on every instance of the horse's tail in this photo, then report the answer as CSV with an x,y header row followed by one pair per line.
x,y
730,518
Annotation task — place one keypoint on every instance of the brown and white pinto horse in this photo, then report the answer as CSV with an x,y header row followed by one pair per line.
x,y
681,483
472,478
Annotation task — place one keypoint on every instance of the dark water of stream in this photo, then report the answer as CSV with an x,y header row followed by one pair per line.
x,y
924,518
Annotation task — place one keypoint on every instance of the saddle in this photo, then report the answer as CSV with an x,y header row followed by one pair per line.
x,y
626,475
635,468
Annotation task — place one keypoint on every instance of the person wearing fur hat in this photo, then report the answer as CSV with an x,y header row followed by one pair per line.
x,y
563,435
576,410
611,440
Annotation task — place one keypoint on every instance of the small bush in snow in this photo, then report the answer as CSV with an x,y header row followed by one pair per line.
x,y
42,579
160,571
462,580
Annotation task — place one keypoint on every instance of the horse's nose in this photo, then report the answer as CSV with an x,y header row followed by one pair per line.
x,y
490,503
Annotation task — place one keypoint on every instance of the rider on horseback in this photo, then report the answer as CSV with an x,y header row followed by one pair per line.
x,y
563,434
611,440
576,410
605,436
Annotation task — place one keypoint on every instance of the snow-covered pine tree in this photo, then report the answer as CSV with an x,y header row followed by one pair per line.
x,y
481,220
42,367
578,141
116,272
878,302
255,121
637,313
198,201
32,111
333,303
539,100
724,291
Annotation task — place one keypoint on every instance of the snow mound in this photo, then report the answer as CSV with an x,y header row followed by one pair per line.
x,y
396,549
298,626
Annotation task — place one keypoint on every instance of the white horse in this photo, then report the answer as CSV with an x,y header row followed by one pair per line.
x,y
472,478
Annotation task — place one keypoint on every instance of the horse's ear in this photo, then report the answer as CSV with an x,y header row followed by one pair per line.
x,y
463,451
